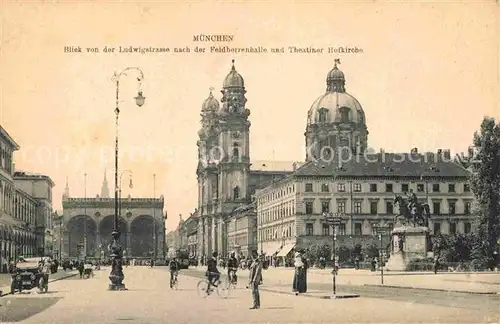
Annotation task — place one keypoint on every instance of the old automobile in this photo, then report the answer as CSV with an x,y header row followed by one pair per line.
x,y
26,276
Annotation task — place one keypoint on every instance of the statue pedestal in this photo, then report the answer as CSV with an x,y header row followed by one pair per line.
x,y
408,243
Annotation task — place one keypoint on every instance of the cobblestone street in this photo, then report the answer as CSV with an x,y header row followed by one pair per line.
x,y
149,300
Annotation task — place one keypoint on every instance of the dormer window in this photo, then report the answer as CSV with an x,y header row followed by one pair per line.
x,y
344,114
323,115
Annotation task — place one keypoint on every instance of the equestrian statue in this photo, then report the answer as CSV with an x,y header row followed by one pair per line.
x,y
411,211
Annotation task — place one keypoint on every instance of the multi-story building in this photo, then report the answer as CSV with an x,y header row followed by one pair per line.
x,y
226,178
242,230
25,206
141,223
341,176
190,234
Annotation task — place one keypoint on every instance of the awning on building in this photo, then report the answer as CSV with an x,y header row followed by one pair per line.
x,y
286,249
271,249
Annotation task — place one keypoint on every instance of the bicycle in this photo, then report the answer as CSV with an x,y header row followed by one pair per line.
x,y
175,283
232,279
205,287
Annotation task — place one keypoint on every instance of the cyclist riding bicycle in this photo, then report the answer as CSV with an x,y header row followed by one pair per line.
x,y
213,274
174,268
232,267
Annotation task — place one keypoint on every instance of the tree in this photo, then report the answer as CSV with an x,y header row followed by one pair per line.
x,y
485,184
371,251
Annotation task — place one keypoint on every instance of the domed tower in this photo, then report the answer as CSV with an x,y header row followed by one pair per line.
x,y
335,122
207,146
234,139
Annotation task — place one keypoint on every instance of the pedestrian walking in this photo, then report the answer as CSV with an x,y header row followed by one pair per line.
x,y
300,275
255,279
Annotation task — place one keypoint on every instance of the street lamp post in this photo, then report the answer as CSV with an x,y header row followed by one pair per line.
x,y
120,190
334,220
120,195
381,229
116,275
85,216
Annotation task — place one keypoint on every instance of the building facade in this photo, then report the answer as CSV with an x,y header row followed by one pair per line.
x,y
243,205
342,177
190,235
141,223
242,230
226,178
25,206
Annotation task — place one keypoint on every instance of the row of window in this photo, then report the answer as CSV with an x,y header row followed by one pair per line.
x,y
389,207
341,229
289,189
274,213
15,204
6,159
389,187
277,232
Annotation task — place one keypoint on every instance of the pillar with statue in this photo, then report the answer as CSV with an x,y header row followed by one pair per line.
x,y
410,236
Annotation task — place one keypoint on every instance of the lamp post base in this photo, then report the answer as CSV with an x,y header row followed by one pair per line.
x,y
116,275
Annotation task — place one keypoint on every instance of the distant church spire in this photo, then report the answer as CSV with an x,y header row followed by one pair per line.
x,y
66,190
104,188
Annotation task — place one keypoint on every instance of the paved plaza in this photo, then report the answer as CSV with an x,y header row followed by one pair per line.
x,y
149,300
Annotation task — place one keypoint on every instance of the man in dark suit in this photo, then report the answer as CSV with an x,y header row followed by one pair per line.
x,y
255,278
212,273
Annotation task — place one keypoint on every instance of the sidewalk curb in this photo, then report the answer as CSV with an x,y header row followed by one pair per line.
x,y
69,275
340,296
437,289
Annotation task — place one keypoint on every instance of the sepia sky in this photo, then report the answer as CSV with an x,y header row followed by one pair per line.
x,y
428,74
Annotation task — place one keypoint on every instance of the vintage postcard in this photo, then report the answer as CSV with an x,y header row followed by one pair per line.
x,y
249,161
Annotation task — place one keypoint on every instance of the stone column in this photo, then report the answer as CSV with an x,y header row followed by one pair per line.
x,y
215,235
220,243
200,248
129,247
66,243
209,236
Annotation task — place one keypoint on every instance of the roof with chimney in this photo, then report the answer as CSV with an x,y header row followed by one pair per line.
x,y
384,165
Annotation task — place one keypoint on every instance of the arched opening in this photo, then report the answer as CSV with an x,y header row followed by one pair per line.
x,y
236,151
142,236
76,231
236,193
106,226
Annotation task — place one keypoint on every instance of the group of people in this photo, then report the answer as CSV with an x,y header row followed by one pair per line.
x,y
255,278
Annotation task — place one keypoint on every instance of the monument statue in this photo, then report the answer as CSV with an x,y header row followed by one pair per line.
x,y
410,235
411,211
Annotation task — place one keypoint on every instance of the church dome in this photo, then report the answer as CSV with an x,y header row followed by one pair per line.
x,y
233,79
335,74
210,104
336,105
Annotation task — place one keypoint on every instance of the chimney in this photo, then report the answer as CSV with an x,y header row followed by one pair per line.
x,y
414,150
440,152
447,154
294,166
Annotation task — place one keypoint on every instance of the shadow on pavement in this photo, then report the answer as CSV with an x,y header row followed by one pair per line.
x,y
19,309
